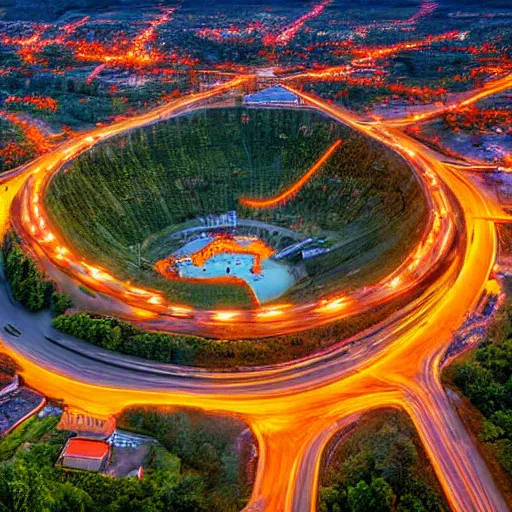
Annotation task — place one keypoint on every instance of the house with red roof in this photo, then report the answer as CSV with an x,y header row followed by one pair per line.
x,y
85,454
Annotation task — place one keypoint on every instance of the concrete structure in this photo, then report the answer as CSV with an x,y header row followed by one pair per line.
x,y
224,220
315,251
292,249
87,425
275,95
11,387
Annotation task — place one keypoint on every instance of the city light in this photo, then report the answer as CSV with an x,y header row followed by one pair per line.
x,y
379,337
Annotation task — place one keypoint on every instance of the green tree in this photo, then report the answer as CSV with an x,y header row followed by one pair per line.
x,y
503,420
504,448
60,303
69,498
187,496
377,497
29,285
395,463
28,488
410,503
330,499
382,494
491,432
6,496
360,498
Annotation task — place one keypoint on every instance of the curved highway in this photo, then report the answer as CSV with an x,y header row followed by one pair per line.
x,y
30,220
294,408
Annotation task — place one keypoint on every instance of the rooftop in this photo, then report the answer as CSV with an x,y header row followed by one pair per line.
x,y
85,454
86,448
274,94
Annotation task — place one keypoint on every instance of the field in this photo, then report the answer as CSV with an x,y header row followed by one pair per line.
x,y
117,201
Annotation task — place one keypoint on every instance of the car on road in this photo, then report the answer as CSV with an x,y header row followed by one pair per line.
x,y
12,330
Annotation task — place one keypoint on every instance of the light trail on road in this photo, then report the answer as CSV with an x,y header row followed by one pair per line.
x,y
294,408
490,88
289,32
292,190
127,53
366,56
32,222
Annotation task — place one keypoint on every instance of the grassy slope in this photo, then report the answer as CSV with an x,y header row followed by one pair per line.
x,y
120,194
30,431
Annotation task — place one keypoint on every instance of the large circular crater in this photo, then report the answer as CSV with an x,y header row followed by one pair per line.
x,y
228,207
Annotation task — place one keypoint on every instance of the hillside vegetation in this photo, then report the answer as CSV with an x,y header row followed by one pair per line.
x,y
380,466
485,378
122,193
197,467
29,285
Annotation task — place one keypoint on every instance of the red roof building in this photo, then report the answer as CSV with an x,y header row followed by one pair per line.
x,y
85,454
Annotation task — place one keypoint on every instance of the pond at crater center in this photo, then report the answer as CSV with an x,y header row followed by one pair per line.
x,y
273,280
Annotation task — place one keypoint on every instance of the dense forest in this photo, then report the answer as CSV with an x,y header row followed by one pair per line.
x,y
119,336
196,468
379,467
128,189
29,285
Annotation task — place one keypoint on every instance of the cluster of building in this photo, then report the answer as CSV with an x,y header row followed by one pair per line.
x,y
97,445
94,444
88,450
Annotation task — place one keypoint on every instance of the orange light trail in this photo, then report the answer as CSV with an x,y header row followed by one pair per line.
x,y
426,8
382,52
228,244
39,102
56,251
31,132
364,57
453,104
29,47
295,188
126,53
289,32
295,407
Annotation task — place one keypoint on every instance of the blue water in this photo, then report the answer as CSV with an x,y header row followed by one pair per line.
x,y
274,279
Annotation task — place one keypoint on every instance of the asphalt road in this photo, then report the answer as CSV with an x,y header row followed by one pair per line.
x,y
294,408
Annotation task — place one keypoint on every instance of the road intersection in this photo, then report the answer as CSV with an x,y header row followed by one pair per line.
x,y
293,408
